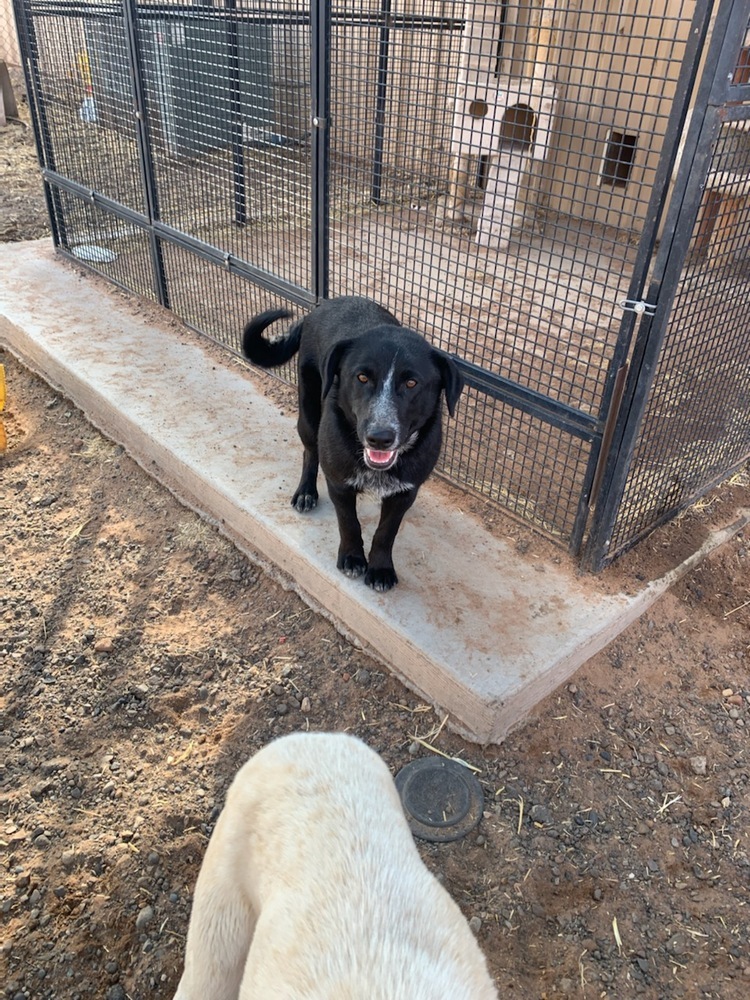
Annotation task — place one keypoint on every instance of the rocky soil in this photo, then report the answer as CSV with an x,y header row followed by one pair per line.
x,y
143,659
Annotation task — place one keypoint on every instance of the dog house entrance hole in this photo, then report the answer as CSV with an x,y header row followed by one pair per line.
x,y
518,127
478,109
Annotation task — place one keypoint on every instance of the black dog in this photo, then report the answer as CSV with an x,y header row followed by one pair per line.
x,y
369,411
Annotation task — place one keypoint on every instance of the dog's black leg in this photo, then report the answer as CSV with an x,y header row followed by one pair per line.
x,y
306,495
380,573
351,560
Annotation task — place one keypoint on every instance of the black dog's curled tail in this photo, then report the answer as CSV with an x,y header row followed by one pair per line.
x,y
269,353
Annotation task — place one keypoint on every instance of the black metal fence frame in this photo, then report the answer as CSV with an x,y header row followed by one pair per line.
x,y
711,108
613,431
566,418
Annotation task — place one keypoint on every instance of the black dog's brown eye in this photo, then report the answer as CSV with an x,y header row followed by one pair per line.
x,y
362,378
410,383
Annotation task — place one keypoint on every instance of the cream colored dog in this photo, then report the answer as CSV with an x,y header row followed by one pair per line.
x,y
312,889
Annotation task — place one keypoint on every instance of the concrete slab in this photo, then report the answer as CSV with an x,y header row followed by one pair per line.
x,y
472,627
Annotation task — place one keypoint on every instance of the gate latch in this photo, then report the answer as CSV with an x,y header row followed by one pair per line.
x,y
639,306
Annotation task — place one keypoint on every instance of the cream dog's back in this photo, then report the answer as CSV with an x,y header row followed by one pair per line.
x,y
312,889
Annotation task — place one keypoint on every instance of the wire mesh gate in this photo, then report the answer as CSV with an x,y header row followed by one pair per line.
x,y
494,172
684,423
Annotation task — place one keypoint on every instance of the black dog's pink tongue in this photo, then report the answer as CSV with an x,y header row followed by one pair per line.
x,y
380,457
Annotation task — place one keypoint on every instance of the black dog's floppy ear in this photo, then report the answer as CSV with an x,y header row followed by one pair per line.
x,y
453,383
332,363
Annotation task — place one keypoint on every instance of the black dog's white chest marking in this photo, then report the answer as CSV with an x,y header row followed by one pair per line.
x,y
378,484
382,484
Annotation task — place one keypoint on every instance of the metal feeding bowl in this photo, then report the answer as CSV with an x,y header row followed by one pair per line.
x,y
442,799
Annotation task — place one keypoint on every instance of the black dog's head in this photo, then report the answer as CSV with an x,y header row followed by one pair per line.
x,y
389,387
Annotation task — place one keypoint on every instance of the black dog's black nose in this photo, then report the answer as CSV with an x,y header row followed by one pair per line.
x,y
382,438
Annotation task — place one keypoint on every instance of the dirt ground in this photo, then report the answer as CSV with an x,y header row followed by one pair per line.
x,y
23,213
143,659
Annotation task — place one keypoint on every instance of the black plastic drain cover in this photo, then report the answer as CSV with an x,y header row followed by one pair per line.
x,y
442,799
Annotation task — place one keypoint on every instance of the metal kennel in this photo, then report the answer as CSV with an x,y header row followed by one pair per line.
x,y
556,193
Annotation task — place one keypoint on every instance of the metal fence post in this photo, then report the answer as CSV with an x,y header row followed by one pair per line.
x,y
143,141
614,388
320,70
235,122
37,108
382,101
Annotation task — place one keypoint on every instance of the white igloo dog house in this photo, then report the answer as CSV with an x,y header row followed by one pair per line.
x,y
506,118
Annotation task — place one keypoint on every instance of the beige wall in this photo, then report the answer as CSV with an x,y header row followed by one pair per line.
x,y
8,39
617,69
613,65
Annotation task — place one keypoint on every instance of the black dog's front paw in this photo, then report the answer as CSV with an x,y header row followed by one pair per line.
x,y
304,501
381,579
352,566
